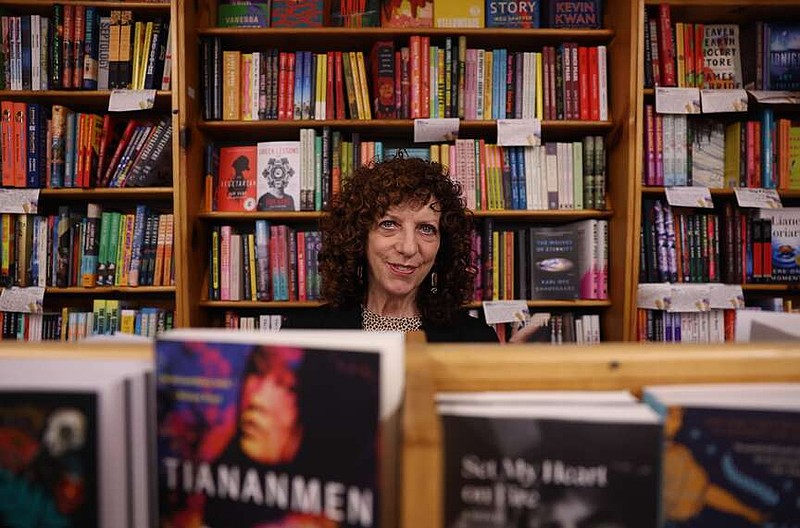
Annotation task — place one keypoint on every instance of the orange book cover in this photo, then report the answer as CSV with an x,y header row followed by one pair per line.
x,y
7,142
161,241
236,181
407,13
20,143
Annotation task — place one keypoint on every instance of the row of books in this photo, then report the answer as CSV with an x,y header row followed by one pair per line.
x,y
108,316
586,14
57,147
304,175
95,248
420,80
758,55
555,328
84,48
234,320
569,261
734,246
269,262
762,152
712,326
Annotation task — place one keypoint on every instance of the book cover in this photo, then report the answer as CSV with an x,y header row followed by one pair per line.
x,y
280,430
555,262
584,14
407,13
722,63
236,180
783,60
297,13
707,153
458,14
278,187
243,15
513,13
729,454
48,465
785,242
529,464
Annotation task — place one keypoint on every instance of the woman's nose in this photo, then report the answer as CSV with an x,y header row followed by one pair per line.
x,y
407,243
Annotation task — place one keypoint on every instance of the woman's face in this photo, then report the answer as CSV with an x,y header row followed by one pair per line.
x,y
401,250
270,431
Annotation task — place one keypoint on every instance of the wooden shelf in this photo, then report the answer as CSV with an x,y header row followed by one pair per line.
x,y
542,215
260,304
730,11
262,215
338,38
96,100
554,303
111,193
795,287
382,128
46,6
101,290
658,190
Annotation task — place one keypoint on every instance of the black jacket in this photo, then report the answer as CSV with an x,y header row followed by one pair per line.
x,y
464,329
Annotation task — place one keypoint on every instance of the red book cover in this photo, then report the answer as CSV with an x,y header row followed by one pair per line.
x,y
297,13
130,128
594,86
425,76
77,42
236,181
666,52
699,59
583,83
382,66
330,108
407,13
290,73
416,77
340,101
283,94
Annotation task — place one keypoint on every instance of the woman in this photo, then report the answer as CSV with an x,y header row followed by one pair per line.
x,y
397,255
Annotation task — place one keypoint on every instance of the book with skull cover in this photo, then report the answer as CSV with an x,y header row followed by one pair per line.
x,y
278,187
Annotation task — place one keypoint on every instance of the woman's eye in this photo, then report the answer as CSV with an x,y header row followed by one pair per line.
x,y
428,229
386,224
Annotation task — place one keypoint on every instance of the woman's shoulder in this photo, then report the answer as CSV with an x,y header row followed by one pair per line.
x,y
464,328
323,317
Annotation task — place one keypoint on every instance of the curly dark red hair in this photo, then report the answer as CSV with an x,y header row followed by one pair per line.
x,y
365,197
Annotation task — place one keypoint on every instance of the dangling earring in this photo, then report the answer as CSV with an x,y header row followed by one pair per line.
x,y
360,273
434,280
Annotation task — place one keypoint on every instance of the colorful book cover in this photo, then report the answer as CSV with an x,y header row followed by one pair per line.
x,y
267,433
407,13
783,60
242,14
297,13
458,13
48,464
531,465
785,242
513,13
730,464
585,14
278,187
236,181
555,257
722,63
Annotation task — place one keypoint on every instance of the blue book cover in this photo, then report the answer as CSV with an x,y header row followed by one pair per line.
x,y
34,154
783,56
91,49
267,432
513,13
309,83
25,30
70,152
297,104
767,148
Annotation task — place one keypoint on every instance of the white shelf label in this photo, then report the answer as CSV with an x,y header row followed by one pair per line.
x,y
719,101
26,300
435,130
677,100
689,197
519,132
760,198
505,311
19,201
726,296
131,100
775,97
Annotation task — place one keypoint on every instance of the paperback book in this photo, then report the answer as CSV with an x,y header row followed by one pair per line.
x,y
236,180
282,429
278,187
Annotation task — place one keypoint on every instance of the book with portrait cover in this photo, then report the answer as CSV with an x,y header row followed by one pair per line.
x,y
287,429
236,179
528,463
730,454
785,242
278,187
48,462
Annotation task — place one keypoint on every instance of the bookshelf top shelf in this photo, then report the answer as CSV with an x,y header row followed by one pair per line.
x,y
729,11
96,100
104,290
338,38
124,193
46,6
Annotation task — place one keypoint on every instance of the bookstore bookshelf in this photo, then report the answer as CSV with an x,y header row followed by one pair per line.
x,y
207,130
718,44
87,165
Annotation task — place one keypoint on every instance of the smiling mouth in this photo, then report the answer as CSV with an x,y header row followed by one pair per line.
x,y
400,268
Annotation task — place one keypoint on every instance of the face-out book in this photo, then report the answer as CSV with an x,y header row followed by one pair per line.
x,y
730,454
541,462
289,429
77,449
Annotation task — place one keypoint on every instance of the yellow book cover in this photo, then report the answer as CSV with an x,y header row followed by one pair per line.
x,y
112,315
458,13
126,225
794,156
231,85
99,317
356,84
127,321
539,86
362,74
169,279
487,86
680,52
732,154
113,47
144,52
125,52
435,154
138,30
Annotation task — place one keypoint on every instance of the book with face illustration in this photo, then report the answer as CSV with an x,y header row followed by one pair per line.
x,y
281,430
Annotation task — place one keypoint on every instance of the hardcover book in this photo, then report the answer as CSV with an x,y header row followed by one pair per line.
x,y
528,463
278,187
513,13
722,63
243,14
285,429
458,13
297,13
407,13
236,181
555,265
585,14
785,242
707,153
729,454
783,60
